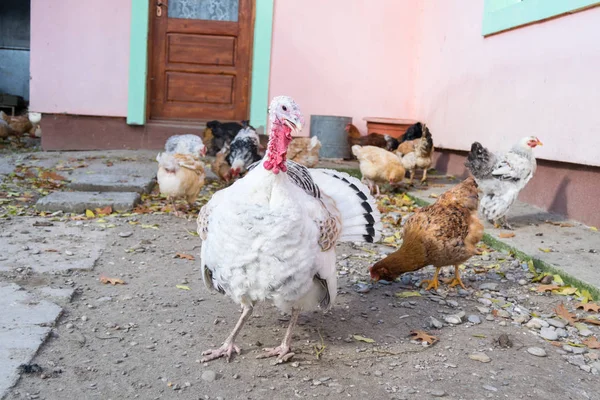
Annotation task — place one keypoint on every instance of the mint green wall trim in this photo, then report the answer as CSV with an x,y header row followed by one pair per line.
x,y
138,63
500,15
261,64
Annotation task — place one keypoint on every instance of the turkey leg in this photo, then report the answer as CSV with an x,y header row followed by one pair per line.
x,y
229,345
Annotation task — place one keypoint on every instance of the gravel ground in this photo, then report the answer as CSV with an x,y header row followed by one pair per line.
x,y
499,339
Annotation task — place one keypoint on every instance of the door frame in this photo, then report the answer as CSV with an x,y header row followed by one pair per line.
x,y
138,63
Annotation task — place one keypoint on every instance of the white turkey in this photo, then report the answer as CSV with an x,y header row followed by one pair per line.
x,y
272,234
501,177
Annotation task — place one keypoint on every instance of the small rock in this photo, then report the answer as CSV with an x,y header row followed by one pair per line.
x,y
549,334
69,326
209,376
583,330
474,319
481,357
536,323
84,318
438,393
578,360
452,303
490,388
561,332
503,313
125,234
537,351
453,319
489,286
522,282
484,301
489,317
586,368
556,323
378,373
484,310
69,253
362,288
435,323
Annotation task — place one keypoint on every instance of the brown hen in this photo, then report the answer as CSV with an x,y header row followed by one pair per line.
x,y
372,139
444,233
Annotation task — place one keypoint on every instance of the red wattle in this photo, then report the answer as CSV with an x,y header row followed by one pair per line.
x,y
277,148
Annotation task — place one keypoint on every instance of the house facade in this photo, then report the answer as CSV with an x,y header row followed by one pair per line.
x,y
129,73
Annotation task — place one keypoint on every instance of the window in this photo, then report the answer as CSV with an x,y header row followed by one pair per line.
x,y
501,15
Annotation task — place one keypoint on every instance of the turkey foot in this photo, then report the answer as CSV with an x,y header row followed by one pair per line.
x,y
228,347
224,351
283,351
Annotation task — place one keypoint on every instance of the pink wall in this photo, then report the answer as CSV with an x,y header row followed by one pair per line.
x,y
80,56
337,57
541,79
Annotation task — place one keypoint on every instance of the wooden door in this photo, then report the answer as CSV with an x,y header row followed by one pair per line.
x,y
200,59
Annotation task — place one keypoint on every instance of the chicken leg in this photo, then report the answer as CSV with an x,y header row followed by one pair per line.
x,y
283,351
456,281
502,223
424,178
229,346
433,282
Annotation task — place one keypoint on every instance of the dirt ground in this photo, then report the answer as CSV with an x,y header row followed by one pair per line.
x,y
144,339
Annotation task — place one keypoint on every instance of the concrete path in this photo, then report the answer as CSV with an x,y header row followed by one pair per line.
x,y
25,321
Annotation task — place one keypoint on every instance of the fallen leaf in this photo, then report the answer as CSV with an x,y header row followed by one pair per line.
x,y
480,336
185,256
586,296
593,228
562,312
148,226
104,211
404,295
423,336
52,175
557,279
590,321
592,342
433,196
112,281
545,250
363,339
183,287
566,290
588,307
506,235
389,239
89,214
51,250
547,288
193,233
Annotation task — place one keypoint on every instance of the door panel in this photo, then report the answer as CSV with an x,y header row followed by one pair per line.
x,y
200,59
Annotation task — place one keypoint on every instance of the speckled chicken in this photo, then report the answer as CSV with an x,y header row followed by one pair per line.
x,y
444,233
421,157
186,144
243,151
180,176
502,177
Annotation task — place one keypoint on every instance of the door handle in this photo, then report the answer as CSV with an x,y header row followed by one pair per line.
x,y
159,5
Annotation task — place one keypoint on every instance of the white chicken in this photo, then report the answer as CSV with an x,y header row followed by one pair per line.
x,y
501,177
186,144
272,234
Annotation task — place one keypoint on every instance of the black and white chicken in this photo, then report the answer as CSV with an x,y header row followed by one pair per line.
x,y
243,151
186,144
501,177
272,234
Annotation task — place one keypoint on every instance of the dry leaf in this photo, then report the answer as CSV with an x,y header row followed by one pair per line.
x,y
404,295
592,342
593,228
104,211
588,307
547,288
546,250
52,175
591,321
89,214
506,235
183,287
51,250
562,312
363,339
566,290
112,281
185,256
423,337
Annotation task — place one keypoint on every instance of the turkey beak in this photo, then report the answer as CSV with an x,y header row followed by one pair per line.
x,y
294,124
